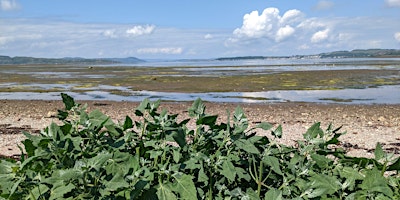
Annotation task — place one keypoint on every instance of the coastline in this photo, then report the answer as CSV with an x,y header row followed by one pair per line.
x,y
365,124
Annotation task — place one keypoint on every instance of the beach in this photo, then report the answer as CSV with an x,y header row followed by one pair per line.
x,y
365,125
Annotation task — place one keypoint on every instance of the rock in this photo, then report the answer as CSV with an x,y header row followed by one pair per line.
x,y
381,119
51,114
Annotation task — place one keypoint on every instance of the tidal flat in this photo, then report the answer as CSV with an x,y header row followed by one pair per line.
x,y
194,79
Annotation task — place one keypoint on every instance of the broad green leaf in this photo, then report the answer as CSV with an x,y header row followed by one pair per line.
x,y
184,185
54,131
97,119
264,125
379,153
313,132
68,101
114,131
116,182
176,155
322,161
58,192
207,120
251,194
202,176
197,109
395,165
247,146
323,185
350,175
274,194
99,160
277,132
179,137
128,123
273,162
164,192
375,182
228,170
39,190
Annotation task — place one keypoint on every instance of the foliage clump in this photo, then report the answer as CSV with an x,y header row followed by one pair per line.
x,y
89,156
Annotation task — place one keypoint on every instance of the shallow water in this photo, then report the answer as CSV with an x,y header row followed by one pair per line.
x,y
380,95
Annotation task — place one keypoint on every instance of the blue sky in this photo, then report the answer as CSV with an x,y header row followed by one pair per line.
x,y
177,29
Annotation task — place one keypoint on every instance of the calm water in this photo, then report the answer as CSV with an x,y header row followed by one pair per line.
x,y
380,95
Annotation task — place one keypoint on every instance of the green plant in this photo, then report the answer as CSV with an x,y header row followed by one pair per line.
x,y
89,156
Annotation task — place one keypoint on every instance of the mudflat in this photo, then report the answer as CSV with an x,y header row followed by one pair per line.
x,y
365,125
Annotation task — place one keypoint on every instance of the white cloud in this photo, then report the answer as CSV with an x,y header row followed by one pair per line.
x,y
284,33
110,33
324,5
164,50
397,36
269,24
320,36
8,5
140,30
208,36
291,16
393,3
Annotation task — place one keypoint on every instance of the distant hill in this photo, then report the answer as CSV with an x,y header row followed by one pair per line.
x,y
7,60
363,53
357,53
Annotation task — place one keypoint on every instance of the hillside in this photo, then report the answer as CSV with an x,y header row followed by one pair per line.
x,y
357,53
7,60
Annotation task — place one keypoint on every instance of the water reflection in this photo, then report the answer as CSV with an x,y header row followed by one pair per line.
x,y
379,95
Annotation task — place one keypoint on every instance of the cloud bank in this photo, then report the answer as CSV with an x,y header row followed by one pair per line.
x,y
393,3
9,5
270,32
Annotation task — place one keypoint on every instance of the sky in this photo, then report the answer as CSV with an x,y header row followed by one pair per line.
x,y
197,29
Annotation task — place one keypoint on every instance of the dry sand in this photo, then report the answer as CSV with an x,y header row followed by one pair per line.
x,y
365,124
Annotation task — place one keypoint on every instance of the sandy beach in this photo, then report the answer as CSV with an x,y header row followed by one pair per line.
x,y
365,124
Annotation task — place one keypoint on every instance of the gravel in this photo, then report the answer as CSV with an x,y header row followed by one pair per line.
x,y
365,124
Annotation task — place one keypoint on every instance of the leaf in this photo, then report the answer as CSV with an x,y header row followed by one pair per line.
x,y
68,101
264,125
247,146
207,120
395,165
228,170
97,120
274,194
273,162
58,192
277,132
98,161
350,175
39,190
379,153
322,161
313,132
164,192
53,131
176,155
197,109
184,185
179,137
116,182
128,123
202,176
323,185
375,182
